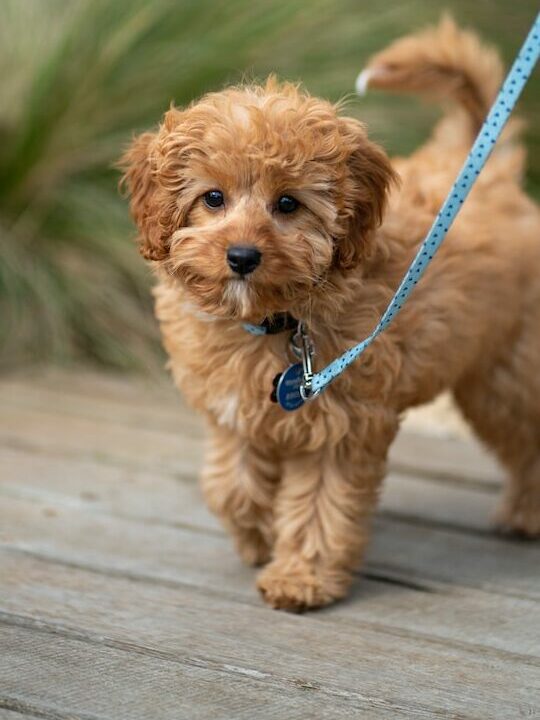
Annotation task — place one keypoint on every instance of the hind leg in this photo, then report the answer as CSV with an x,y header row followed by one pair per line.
x,y
503,405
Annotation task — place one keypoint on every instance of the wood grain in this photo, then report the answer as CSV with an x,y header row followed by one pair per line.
x,y
157,407
159,496
15,715
181,556
182,624
107,679
121,596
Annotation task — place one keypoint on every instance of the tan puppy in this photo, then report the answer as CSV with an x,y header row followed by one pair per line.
x,y
263,200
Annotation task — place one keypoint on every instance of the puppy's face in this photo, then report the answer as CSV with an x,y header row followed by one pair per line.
x,y
252,197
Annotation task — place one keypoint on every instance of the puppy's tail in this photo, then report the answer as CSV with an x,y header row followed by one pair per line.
x,y
441,62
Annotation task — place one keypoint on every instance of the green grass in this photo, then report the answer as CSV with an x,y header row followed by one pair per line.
x,y
79,77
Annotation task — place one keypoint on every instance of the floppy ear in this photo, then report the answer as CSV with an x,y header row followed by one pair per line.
x,y
368,179
138,164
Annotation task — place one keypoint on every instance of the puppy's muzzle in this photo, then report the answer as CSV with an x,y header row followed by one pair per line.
x,y
243,259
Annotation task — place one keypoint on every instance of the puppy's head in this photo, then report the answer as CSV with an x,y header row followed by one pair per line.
x,y
252,196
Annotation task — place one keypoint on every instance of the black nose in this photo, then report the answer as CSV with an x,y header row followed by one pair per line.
x,y
243,259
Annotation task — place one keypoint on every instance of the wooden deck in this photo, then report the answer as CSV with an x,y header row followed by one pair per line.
x,y
121,597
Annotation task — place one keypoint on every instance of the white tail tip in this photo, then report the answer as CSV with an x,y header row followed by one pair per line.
x,y
362,81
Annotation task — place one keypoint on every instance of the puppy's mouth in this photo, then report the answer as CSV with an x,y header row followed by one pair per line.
x,y
239,295
250,282
245,298
232,298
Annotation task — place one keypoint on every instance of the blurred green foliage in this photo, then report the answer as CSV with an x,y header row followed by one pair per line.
x,y
79,77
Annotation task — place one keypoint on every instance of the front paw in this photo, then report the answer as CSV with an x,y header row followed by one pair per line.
x,y
298,586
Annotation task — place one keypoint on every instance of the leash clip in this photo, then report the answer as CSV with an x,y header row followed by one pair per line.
x,y
294,386
302,346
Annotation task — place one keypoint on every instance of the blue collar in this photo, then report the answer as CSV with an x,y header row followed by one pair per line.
x,y
273,324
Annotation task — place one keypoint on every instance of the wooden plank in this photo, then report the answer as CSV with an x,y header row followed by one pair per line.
x,y
112,489
398,558
495,564
51,433
136,405
470,619
420,554
15,715
160,497
445,458
184,506
158,407
94,678
86,383
371,669
433,587
162,452
439,503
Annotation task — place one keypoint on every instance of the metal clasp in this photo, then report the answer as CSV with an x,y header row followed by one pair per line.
x,y
303,348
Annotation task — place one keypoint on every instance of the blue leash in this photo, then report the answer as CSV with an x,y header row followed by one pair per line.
x,y
297,383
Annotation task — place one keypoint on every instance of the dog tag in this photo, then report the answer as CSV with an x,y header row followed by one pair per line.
x,y
288,387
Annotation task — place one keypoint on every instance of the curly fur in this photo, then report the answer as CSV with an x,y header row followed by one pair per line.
x,y
297,490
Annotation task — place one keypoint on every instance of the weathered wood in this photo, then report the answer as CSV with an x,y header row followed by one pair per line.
x,y
12,715
369,669
468,618
120,595
160,497
132,403
493,564
447,459
439,503
181,454
94,678
112,489
154,390
183,556
53,433
158,407
404,550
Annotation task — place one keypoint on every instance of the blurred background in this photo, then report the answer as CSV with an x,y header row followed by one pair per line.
x,y
79,77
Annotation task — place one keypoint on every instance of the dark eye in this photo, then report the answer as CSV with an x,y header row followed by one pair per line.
x,y
213,198
287,204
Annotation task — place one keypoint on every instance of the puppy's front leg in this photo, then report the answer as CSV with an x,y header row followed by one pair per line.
x,y
239,484
322,514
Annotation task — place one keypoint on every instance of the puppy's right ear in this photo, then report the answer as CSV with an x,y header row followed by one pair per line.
x,y
139,165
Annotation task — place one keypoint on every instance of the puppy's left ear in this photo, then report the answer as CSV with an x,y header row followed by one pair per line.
x,y
140,183
149,204
367,181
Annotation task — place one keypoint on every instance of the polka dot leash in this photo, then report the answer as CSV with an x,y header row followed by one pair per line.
x,y
481,150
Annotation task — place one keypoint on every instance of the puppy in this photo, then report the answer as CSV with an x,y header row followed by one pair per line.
x,y
262,203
